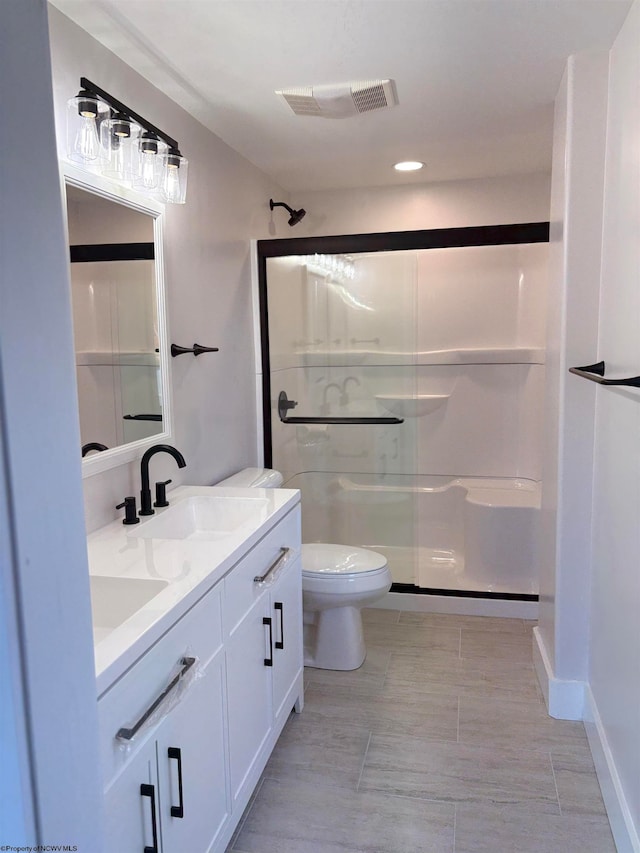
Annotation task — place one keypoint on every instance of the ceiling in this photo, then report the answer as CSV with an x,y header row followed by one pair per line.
x,y
475,79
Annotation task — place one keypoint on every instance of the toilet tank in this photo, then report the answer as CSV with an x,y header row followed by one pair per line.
x,y
256,478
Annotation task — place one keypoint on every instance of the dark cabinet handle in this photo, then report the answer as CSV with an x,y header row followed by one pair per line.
x,y
150,791
280,608
266,620
175,753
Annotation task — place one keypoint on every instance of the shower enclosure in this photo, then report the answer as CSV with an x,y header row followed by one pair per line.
x,y
402,385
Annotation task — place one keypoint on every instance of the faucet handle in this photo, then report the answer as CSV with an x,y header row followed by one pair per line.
x,y
130,513
161,494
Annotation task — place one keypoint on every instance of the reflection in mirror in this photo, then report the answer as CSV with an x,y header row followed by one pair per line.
x,y
117,324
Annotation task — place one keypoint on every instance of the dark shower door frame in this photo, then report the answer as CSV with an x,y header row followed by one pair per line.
x,y
384,241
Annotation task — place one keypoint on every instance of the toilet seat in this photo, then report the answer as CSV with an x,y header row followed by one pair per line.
x,y
320,559
342,570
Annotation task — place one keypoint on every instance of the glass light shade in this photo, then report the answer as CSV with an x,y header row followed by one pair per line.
x,y
149,162
174,177
118,142
84,115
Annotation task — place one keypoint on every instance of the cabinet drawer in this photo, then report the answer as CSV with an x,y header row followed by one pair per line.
x,y
240,590
199,634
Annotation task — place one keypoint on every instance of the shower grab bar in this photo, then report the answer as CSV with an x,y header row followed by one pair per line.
x,y
284,404
595,373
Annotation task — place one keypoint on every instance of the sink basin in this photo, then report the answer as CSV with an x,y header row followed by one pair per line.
x,y
114,600
204,517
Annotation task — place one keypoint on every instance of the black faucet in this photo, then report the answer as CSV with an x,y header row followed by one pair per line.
x,y
145,493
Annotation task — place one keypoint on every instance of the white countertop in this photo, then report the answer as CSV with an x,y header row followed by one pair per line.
x,y
190,567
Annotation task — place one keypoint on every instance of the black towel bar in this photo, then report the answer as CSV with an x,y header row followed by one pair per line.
x,y
595,373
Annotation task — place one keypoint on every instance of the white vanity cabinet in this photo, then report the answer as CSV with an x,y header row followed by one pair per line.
x,y
174,791
264,660
166,788
187,775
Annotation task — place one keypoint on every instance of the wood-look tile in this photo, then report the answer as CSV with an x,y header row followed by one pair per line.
x,y
420,638
493,829
372,671
404,712
489,721
290,817
380,616
578,788
321,751
496,646
491,624
436,672
458,773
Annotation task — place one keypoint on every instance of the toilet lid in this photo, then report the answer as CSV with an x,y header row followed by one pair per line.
x,y
320,558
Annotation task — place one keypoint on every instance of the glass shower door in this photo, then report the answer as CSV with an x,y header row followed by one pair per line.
x,y
342,342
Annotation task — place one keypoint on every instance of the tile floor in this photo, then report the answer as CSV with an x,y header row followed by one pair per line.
x,y
439,743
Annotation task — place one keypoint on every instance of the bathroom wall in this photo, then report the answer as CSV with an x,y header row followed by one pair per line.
x,y
590,596
613,695
207,264
451,204
50,790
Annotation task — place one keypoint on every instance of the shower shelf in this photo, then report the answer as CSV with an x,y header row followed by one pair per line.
x,y
284,404
595,373
412,405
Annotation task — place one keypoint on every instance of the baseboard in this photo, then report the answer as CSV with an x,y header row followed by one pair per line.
x,y
564,698
458,606
624,832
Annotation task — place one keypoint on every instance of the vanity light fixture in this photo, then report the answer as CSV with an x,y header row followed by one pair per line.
x,y
105,135
408,166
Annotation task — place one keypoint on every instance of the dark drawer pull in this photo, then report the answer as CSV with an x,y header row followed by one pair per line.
x,y
150,791
175,753
127,734
280,608
266,620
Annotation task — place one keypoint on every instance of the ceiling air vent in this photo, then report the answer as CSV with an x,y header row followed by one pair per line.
x,y
342,99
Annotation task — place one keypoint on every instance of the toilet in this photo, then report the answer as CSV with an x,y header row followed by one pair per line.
x,y
337,582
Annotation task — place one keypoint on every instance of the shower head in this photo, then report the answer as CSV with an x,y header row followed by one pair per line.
x,y
296,215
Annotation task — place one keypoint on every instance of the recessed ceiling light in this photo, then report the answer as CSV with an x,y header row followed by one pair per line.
x,y
408,166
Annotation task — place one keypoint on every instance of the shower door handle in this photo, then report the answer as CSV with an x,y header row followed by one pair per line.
x,y
284,404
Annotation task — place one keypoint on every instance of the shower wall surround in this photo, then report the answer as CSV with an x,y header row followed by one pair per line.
x,y
449,341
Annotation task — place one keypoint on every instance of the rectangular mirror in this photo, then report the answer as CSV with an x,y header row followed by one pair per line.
x,y
119,320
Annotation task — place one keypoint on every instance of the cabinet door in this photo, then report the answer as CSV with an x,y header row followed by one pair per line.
x,y
249,692
286,610
132,816
194,801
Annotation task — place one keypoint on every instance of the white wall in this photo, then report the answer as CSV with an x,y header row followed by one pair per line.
x,y
207,261
50,690
614,672
576,225
588,638
451,204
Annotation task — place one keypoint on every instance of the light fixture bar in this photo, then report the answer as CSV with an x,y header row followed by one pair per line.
x,y
118,106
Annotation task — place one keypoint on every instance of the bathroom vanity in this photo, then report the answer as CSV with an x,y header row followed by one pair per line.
x,y
198,630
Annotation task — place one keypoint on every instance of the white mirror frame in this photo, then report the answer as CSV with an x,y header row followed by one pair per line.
x,y
73,176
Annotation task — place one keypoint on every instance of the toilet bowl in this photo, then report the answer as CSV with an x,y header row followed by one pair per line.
x,y
337,582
